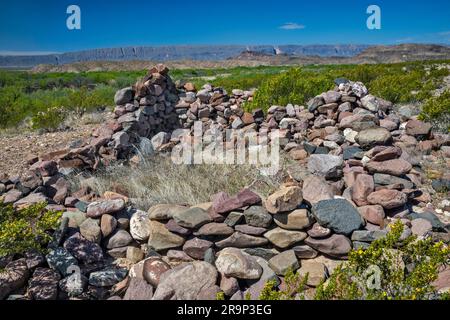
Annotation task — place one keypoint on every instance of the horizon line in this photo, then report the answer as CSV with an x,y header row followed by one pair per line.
x,y
24,53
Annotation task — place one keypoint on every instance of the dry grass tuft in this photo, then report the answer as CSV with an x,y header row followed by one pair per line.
x,y
159,180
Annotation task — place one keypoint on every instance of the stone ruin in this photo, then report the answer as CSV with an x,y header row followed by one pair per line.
x,y
359,170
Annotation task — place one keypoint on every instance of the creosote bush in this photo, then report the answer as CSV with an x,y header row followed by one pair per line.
x,y
295,286
399,83
406,269
25,229
437,109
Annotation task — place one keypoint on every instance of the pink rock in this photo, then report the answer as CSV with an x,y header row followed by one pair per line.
x,y
420,227
396,167
362,187
443,280
388,124
222,203
418,128
373,214
388,199
153,269
386,153
97,209
315,189
196,248
336,245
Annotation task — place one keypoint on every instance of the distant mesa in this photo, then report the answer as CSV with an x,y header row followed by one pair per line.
x,y
174,53
231,55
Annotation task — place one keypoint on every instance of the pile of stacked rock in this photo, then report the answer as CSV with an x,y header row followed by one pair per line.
x,y
359,171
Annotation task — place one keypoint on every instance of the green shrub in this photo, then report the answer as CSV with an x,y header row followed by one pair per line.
x,y
294,288
220,296
48,119
26,229
295,86
438,108
407,269
26,95
402,82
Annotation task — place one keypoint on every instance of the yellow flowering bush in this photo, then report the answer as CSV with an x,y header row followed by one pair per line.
x,y
294,288
29,228
389,269
406,270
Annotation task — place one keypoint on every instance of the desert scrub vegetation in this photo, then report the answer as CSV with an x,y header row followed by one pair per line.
x,y
399,83
407,269
26,229
44,100
158,180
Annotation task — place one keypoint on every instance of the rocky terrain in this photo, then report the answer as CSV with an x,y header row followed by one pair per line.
x,y
361,167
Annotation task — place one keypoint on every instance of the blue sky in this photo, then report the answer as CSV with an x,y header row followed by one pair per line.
x,y
40,26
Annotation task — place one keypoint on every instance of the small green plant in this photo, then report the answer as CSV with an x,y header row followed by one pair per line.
x,y
295,285
406,268
25,229
438,108
48,119
220,296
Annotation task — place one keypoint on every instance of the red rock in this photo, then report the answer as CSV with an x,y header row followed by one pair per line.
x,y
153,269
32,198
189,86
336,245
196,248
418,128
247,118
362,187
223,203
298,154
62,188
373,214
215,229
285,199
318,232
388,124
420,227
99,208
172,226
316,189
12,196
388,199
13,277
229,285
45,168
350,178
382,153
443,280
396,167
426,146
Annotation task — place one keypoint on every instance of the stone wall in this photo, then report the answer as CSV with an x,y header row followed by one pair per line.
x,y
360,169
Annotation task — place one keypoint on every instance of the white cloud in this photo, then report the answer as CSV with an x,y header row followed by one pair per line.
x,y
292,26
